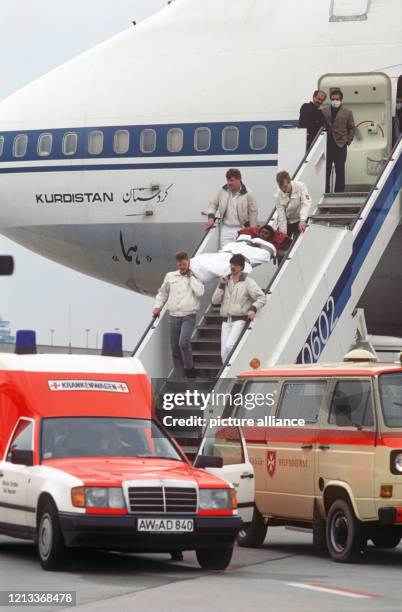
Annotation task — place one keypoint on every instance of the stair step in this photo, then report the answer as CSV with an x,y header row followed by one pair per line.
x,y
346,205
347,194
208,366
205,340
329,217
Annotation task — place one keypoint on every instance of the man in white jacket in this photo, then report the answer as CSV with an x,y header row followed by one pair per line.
x,y
235,205
181,291
240,298
293,203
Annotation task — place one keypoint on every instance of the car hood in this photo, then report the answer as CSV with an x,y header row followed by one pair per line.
x,y
113,472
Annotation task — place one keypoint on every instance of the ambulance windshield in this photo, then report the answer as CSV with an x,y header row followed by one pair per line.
x,y
104,437
391,398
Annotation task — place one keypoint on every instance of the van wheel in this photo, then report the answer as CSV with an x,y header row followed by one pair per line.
x,y
253,534
214,558
386,540
345,540
53,553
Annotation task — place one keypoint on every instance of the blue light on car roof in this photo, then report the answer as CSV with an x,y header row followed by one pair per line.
x,y
25,342
112,345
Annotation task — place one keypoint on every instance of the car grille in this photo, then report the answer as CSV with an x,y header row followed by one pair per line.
x,y
166,500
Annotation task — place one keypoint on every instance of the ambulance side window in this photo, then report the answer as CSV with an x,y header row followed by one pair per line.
x,y
22,438
352,404
224,442
257,400
302,400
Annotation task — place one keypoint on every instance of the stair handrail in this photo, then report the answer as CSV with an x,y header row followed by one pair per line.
x,y
152,325
374,188
286,257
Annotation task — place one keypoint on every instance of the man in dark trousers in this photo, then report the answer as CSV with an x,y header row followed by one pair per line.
x,y
311,117
341,130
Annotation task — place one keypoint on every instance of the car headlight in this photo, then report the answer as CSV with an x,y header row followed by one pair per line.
x,y
97,497
398,462
215,499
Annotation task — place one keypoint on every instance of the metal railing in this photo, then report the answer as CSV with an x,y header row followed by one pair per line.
x,y
285,259
152,325
375,188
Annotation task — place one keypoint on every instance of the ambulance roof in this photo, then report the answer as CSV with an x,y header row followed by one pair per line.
x,y
74,385
90,364
324,369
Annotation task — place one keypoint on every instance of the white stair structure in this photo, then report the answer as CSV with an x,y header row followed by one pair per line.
x,y
313,295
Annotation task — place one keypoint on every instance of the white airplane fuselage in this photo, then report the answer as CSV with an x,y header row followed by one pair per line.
x,y
210,64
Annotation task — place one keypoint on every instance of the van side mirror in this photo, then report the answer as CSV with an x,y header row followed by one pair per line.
x,y
207,461
22,457
6,265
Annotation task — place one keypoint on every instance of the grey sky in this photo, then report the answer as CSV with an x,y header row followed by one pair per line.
x,y
36,36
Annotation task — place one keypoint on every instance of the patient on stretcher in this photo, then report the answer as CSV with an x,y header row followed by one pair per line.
x,y
209,266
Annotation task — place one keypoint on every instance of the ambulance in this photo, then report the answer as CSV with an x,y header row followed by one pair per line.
x,y
85,465
339,473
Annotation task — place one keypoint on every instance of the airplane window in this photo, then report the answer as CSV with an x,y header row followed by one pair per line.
x,y
175,140
45,144
70,142
258,137
1,145
121,141
148,141
202,139
230,138
20,145
95,142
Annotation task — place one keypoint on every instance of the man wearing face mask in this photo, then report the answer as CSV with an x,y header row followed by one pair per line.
x,y
340,125
311,117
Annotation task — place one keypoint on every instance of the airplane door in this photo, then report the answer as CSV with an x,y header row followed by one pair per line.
x,y
228,443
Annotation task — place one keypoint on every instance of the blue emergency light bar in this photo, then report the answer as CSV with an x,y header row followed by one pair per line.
x,y
112,345
25,342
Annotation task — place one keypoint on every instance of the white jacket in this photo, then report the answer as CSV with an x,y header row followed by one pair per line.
x,y
246,205
236,299
293,207
181,292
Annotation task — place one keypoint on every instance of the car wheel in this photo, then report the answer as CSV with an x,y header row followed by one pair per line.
x,y
214,558
386,540
53,553
344,536
253,534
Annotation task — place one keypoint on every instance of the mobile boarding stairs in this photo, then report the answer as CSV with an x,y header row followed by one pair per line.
x,y
311,297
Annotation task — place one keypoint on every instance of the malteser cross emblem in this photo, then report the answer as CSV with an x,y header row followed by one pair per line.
x,y
271,462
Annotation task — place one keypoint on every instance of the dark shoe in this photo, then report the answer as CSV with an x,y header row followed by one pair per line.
x,y
190,373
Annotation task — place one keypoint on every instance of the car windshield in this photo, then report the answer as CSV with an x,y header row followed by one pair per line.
x,y
104,437
391,398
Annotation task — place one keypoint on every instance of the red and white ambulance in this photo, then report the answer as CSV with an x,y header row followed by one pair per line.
x,y
84,464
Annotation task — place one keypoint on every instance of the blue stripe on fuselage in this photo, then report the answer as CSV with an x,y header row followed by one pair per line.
x,y
134,150
151,166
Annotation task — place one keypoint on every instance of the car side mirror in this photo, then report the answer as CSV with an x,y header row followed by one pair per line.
x,y
22,457
207,461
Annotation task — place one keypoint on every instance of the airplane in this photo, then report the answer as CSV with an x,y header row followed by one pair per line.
x,y
108,162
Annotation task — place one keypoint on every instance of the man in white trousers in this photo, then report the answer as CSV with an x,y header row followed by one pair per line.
x,y
235,204
240,298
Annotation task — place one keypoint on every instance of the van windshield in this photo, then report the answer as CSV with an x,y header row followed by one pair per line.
x,y
391,398
104,437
